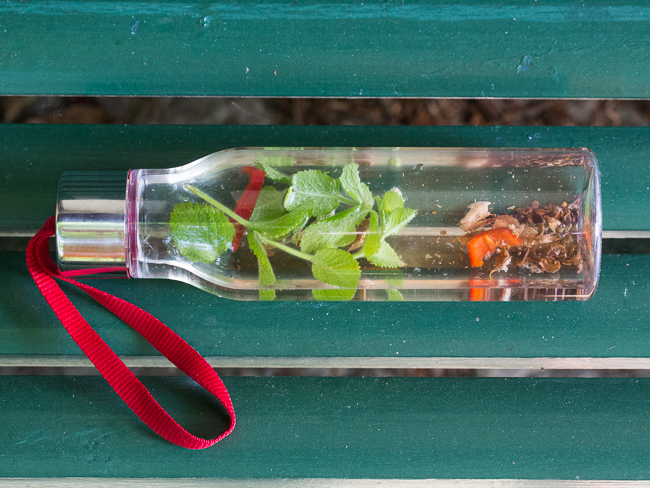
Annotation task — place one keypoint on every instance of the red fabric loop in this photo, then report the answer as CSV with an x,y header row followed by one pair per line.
x,y
118,375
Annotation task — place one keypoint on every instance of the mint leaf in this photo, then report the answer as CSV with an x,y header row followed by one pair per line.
x,y
269,163
296,233
394,162
201,232
352,185
336,267
283,225
269,205
334,295
336,231
394,295
372,242
267,278
392,199
396,220
267,295
398,282
386,257
315,189
394,216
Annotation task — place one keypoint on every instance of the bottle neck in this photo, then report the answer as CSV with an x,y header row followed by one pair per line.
x,y
90,220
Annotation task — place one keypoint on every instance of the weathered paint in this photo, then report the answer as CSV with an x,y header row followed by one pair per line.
x,y
378,48
405,428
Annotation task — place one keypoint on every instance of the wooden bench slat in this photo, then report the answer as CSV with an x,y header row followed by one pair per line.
x,y
405,428
32,157
315,48
612,325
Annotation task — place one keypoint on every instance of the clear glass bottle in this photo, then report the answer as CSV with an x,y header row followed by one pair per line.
x,y
348,223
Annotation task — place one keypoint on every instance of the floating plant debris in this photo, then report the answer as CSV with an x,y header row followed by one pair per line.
x,y
533,238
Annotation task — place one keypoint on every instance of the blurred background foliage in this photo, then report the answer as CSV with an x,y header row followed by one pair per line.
x,y
318,111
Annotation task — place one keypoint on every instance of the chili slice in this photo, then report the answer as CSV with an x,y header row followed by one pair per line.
x,y
477,294
479,287
246,203
487,242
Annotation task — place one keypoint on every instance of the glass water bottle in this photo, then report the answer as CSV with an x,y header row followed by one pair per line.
x,y
347,223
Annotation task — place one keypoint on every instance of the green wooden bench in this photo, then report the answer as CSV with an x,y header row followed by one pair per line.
x,y
324,431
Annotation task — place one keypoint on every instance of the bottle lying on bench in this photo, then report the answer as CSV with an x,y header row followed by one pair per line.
x,y
347,223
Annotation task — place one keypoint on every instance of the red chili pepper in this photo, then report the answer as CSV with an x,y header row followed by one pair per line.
x,y
246,203
479,287
487,242
477,294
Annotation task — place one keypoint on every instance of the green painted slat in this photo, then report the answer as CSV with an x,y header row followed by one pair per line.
x,y
378,48
32,157
613,324
336,428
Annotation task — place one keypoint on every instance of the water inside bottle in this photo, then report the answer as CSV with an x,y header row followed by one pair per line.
x,y
549,194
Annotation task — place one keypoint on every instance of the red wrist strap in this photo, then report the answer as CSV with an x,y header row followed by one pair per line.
x,y
123,381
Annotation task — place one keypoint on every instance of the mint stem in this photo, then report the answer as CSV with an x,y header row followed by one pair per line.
x,y
349,201
287,249
218,205
359,255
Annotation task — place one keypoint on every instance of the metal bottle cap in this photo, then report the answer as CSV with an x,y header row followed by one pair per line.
x,y
90,219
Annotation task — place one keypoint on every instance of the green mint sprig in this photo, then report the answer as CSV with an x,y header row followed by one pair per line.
x,y
394,217
308,212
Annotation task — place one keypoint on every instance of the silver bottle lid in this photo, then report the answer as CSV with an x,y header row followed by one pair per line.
x,y
90,220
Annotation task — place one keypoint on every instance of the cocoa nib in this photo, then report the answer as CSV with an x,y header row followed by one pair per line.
x,y
519,216
537,219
